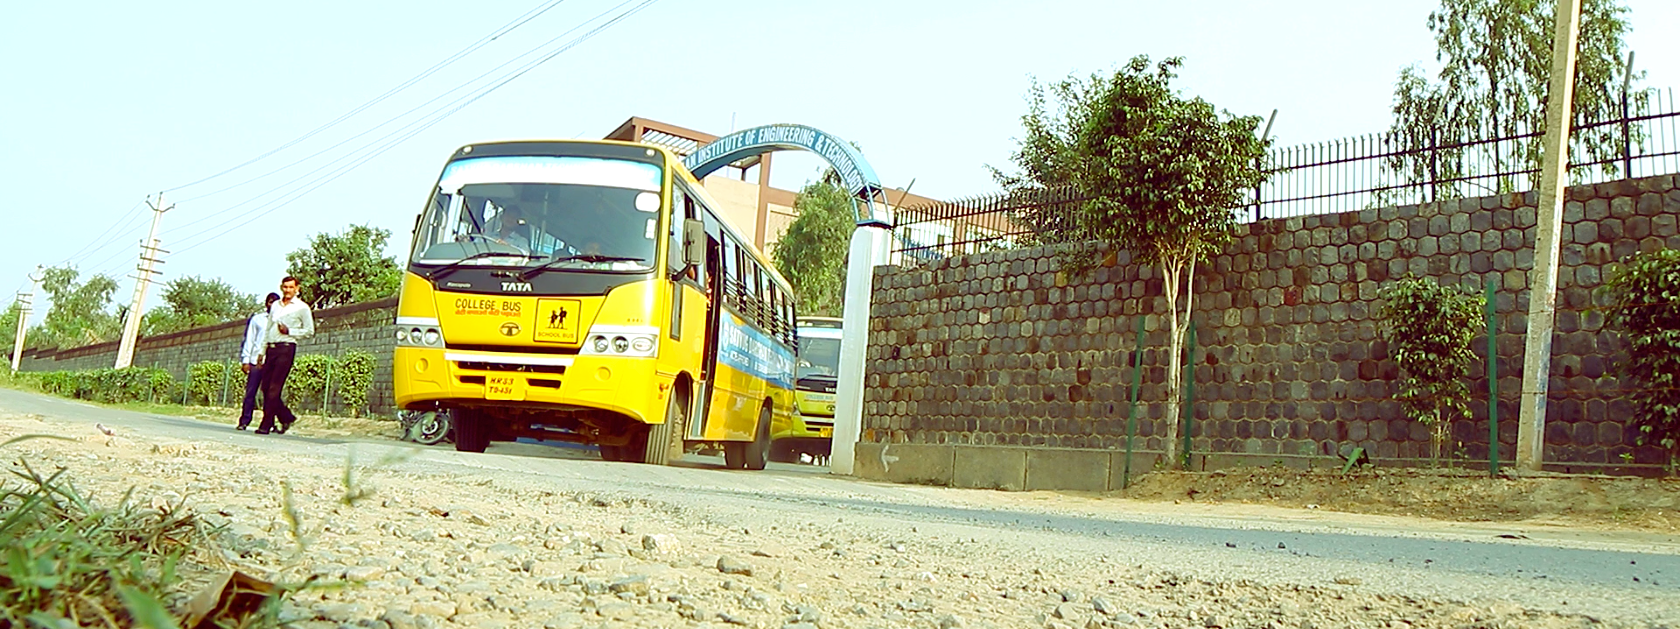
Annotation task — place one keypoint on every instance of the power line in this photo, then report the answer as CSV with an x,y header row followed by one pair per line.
x,y
100,238
436,117
532,14
405,114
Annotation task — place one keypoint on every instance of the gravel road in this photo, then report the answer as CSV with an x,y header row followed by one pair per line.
x,y
529,536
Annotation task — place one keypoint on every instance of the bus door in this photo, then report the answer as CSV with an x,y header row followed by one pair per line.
x,y
714,314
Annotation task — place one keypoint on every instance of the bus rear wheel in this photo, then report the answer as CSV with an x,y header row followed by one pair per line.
x,y
751,455
472,431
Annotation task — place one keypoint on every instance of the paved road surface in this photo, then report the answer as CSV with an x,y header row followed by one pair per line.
x,y
1603,574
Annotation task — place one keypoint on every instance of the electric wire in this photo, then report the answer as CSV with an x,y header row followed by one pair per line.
x,y
465,85
437,115
532,14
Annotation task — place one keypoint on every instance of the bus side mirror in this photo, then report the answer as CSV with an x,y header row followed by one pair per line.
x,y
694,242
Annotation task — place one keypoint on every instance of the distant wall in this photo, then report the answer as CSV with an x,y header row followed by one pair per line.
x,y
365,326
980,365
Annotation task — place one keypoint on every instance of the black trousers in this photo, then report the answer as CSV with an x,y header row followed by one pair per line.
x,y
277,366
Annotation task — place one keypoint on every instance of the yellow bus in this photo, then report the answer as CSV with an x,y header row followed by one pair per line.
x,y
816,376
589,291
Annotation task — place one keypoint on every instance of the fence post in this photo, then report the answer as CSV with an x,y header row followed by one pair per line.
x,y
226,375
326,390
1493,380
1131,408
1189,395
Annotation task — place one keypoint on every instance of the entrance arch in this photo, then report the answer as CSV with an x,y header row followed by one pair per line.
x,y
869,198
868,249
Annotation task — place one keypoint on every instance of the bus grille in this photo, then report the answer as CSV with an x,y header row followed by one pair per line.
x,y
511,367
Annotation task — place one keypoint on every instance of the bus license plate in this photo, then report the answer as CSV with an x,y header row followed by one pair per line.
x,y
504,388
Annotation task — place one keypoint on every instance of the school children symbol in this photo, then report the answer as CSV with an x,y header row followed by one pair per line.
x,y
557,320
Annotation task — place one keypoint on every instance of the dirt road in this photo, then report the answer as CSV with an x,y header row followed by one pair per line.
x,y
530,536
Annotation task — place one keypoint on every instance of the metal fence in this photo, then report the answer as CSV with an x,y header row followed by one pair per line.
x,y
1345,175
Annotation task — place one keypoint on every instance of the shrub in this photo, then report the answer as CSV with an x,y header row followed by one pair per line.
x,y
353,379
1646,289
1429,328
306,387
213,383
133,384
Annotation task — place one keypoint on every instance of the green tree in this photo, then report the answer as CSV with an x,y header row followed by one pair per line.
x,y
81,311
191,302
1495,60
346,268
1428,328
1162,175
1646,288
811,253
8,330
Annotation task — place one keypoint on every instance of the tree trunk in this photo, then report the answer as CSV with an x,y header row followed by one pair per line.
x,y
1177,268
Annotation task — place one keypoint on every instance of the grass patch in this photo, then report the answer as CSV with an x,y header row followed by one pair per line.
x,y
69,562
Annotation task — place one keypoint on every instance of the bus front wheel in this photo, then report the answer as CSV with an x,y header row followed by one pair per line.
x,y
472,431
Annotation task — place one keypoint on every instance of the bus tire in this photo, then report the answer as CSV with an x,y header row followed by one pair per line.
x,y
472,432
655,440
611,453
757,452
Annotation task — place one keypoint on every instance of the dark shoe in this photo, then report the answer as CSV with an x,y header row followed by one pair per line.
x,y
241,426
261,431
285,426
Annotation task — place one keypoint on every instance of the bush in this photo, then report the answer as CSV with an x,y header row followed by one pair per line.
x,y
353,379
133,384
1429,328
212,383
306,387
1646,289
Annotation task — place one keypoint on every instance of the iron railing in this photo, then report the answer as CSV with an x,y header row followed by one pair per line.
x,y
1345,175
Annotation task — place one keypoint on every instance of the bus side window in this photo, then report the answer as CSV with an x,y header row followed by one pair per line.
x,y
731,270
674,258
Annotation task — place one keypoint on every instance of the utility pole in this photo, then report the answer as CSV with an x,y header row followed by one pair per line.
x,y
24,300
148,256
1542,281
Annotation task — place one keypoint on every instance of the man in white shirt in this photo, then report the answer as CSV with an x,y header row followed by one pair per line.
x,y
250,358
289,320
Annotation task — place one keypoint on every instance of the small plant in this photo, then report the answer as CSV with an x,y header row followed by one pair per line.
x,y
69,562
1429,328
1646,290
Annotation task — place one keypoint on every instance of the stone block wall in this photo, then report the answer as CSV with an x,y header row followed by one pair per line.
x,y
1002,350
365,326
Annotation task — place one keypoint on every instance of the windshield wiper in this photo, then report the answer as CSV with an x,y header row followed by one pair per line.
x,y
582,257
456,265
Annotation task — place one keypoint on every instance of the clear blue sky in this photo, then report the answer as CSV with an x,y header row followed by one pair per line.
x,y
107,102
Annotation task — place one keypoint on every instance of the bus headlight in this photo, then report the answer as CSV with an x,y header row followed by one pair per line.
x,y
419,336
621,340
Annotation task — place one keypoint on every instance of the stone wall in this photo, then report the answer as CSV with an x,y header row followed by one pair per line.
x,y
980,365
366,327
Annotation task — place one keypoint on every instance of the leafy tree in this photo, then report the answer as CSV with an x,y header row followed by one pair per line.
x,y
191,302
81,312
1495,70
1161,175
811,253
8,330
346,268
1428,328
1646,288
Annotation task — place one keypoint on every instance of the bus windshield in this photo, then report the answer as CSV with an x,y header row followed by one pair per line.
x,y
560,212
819,357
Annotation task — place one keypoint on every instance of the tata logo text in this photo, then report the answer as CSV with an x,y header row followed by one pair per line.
x,y
516,287
510,329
